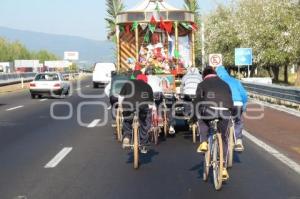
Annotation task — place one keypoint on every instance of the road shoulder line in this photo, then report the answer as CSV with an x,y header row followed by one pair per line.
x,y
275,153
278,108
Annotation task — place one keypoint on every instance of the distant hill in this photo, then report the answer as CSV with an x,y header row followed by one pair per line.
x,y
90,50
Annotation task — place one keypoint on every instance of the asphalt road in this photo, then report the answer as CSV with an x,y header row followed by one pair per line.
x,y
96,167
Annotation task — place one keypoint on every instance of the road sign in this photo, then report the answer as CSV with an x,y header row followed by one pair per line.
x,y
73,56
215,60
243,56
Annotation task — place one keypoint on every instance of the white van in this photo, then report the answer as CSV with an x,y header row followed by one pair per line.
x,y
102,73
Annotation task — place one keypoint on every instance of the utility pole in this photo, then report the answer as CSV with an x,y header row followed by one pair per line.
x,y
202,44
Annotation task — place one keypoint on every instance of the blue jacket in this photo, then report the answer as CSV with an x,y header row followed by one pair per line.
x,y
239,94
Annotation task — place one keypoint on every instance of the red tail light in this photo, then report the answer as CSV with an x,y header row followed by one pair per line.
x,y
56,85
32,85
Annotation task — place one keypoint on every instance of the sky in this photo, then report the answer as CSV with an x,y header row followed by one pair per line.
x,y
84,18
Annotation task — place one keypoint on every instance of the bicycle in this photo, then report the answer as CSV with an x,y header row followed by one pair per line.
x,y
215,151
155,128
135,141
165,119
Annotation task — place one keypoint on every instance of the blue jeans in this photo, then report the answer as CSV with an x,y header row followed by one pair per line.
x,y
237,113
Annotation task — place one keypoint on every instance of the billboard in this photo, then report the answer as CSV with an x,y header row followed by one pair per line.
x,y
58,64
71,55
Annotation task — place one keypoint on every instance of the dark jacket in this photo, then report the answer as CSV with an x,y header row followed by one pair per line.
x,y
136,92
213,92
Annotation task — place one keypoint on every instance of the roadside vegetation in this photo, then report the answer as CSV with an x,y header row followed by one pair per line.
x,y
270,27
10,51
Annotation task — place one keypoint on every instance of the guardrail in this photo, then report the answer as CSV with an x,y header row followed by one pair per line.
x,y
6,79
288,94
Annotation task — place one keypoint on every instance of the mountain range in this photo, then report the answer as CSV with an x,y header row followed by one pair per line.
x,y
90,51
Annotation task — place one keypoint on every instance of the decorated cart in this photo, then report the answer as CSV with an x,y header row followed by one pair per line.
x,y
156,36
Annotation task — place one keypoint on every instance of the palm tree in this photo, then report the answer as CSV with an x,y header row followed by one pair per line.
x,y
113,8
193,6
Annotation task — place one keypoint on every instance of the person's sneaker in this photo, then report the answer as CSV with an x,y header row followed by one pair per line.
x,y
171,130
144,150
203,147
225,175
239,147
126,142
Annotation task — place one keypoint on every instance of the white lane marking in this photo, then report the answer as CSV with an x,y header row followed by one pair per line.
x,y
77,89
58,158
14,108
94,123
281,108
109,108
88,86
42,100
284,159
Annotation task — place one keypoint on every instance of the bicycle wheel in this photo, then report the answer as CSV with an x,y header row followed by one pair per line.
x,y
135,146
206,163
194,131
155,134
218,161
119,124
230,147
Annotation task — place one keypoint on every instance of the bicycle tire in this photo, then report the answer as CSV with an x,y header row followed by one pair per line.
x,y
155,134
166,127
206,163
230,148
119,125
194,129
135,146
218,161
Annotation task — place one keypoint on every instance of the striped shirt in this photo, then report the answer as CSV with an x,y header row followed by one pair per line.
x,y
189,82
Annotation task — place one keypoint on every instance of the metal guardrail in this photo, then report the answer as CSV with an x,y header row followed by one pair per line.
x,y
6,79
290,94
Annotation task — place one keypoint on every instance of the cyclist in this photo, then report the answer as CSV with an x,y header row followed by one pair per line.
x,y
155,83
136,95
188,87
240,98
112,91
213,100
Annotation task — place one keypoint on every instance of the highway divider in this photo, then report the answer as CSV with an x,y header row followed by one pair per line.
x,y
275,94
15,78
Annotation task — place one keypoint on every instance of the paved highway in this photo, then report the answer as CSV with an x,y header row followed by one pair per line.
x,y
44,158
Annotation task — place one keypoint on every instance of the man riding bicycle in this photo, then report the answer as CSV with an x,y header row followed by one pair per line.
x,y
240,98
188,87
136,95
213,101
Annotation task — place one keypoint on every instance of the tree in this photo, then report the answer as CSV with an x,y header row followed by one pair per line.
x,y
10,51
270,27
44,55
267,27
193,6
113,8
221,36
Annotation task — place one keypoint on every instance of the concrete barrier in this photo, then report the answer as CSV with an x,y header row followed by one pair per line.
x,y
13,78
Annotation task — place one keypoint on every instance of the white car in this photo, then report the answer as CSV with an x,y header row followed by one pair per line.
x,y
102,73
50,84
